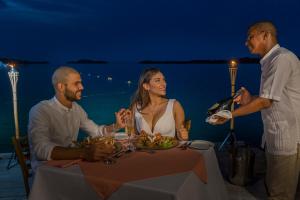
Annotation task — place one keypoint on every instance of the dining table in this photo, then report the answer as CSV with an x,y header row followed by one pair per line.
x,y
172,174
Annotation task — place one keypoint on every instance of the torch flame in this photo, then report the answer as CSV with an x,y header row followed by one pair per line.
x,y
233,63
11,65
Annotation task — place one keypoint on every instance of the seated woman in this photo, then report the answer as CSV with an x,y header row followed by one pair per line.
x,y
153,112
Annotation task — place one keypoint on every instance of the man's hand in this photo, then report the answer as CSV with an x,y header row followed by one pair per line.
x,y
97,151
244,98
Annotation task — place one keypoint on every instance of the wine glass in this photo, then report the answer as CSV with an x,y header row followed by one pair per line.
x,y
129,130
110,131
188,124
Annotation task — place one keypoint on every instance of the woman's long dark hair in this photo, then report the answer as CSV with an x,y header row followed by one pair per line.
x,y
141,98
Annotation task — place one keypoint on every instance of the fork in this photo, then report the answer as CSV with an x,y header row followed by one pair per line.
x,y
185,145
151,151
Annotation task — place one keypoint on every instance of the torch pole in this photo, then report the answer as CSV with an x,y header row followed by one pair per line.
x,y
231,135
13,77
233,66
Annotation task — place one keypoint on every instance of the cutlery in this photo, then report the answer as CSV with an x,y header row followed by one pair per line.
x,y
151,151
109,161
185,145
120,153
68,164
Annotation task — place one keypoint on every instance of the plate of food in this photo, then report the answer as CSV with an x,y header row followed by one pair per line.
x,y
101,141
155,142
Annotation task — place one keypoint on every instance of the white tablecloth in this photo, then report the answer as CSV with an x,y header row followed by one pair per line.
x,y
69,183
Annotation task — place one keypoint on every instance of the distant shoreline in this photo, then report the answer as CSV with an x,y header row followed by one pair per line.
x,y
23,62
204,61
87,61
244,60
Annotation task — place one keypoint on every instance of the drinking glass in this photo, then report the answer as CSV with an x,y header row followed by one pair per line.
x,y
187,125
110,132
129,130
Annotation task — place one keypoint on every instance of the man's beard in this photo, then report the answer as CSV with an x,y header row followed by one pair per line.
x,y
71,96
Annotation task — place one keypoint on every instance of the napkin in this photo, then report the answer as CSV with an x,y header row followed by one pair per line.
x,y
223,113
201,144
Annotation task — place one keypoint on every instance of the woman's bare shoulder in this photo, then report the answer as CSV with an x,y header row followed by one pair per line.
x,y
177,106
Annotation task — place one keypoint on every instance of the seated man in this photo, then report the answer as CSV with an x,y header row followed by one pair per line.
x,y
54,124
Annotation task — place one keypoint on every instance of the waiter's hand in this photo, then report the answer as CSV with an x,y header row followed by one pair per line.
x,y
220,120
244,98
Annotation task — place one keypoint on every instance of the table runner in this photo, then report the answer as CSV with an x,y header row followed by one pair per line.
x,y
106,179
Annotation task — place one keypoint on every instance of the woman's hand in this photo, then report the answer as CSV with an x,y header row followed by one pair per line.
x,y
121,116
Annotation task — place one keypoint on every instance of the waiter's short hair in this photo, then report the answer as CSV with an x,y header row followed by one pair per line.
x,y
266,26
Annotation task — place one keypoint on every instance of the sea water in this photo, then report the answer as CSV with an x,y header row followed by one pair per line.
x,y
109,87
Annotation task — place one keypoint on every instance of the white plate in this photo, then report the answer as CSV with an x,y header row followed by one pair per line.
x,y
121,136
201,144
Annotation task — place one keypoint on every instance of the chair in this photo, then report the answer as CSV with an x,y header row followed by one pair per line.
x,y
22,151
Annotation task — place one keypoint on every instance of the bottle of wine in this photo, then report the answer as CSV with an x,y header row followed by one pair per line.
x,y
224,104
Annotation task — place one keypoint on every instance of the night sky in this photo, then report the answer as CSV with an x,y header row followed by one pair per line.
x,y
134,30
